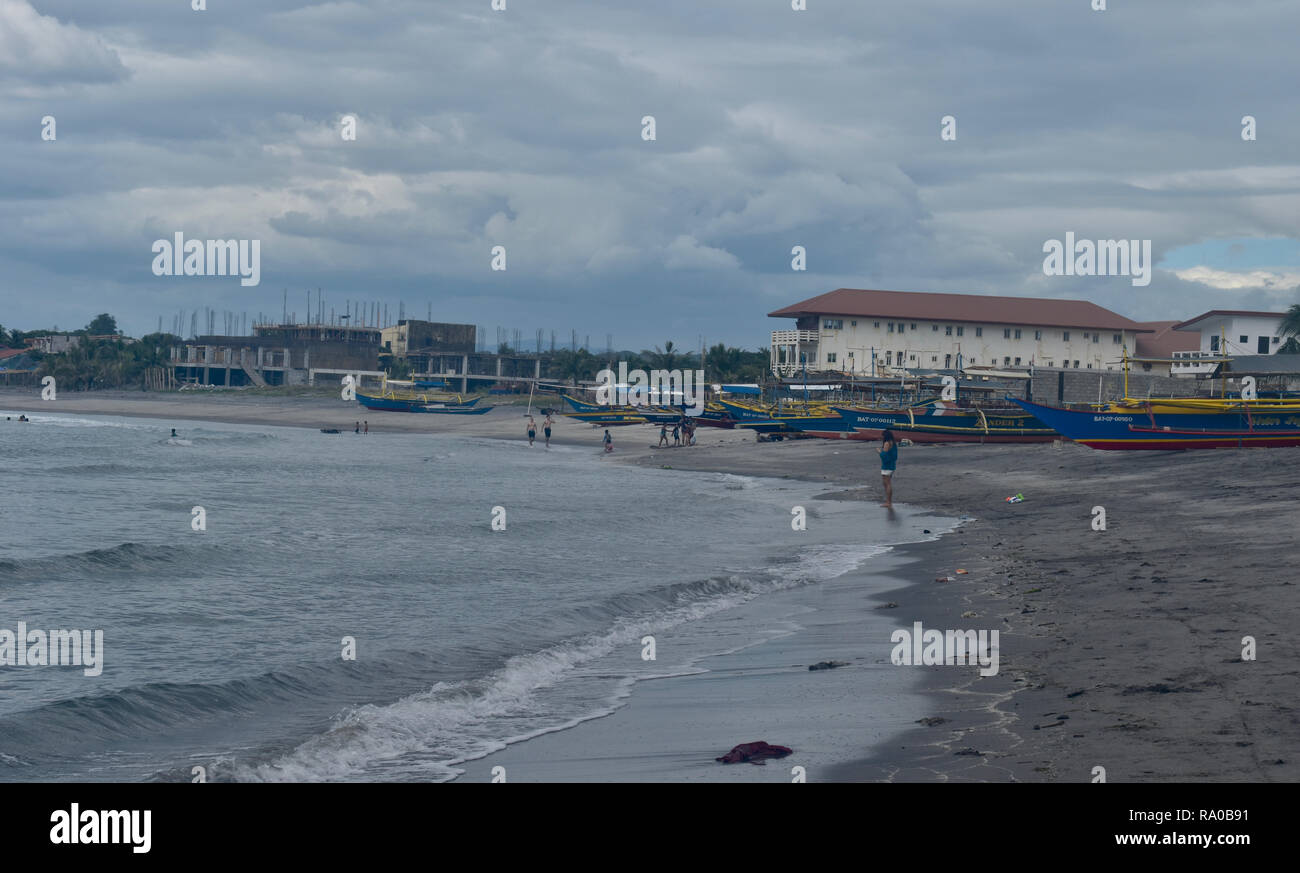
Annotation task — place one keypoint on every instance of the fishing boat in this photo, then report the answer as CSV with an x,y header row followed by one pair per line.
x,y
1173,426
596,414
943,421
1176,423
401,396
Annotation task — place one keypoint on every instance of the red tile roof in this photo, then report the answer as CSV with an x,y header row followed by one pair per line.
x,y
980,308
1165,341
6,354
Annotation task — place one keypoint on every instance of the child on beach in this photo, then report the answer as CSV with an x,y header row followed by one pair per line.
x,y
677,435
663,435
609,441
888,463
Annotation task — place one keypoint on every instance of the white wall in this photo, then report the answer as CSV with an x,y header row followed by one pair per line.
x,y
1234,327
979,345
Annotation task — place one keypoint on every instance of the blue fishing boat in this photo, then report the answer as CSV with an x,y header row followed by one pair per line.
x,y
1168,424
942,421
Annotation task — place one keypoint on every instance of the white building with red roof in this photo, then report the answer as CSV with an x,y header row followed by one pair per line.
x,y
866,332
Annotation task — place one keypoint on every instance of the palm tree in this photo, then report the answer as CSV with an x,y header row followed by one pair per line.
x,y
666,357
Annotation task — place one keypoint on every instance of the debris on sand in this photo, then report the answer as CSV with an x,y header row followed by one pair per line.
x,y
754,753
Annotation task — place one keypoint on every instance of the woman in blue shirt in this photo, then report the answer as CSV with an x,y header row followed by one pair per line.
x,y
888,463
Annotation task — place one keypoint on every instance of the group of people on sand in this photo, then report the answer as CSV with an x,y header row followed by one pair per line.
x,y
20,418
683,433
361,427
546,428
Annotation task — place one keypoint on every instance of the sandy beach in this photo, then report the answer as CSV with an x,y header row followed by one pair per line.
x,y
1120,648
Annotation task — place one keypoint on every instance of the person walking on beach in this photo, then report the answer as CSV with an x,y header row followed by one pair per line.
x,y
663,435
357,429
609,441
546,429
532,431
365,425
677,435
888,463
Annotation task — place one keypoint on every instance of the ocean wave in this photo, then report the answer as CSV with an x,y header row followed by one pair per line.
x,y
426,735
128,556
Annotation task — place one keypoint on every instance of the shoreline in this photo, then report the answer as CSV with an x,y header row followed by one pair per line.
x,y
1120,648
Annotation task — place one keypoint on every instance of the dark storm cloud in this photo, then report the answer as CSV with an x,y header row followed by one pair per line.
x,y
775,128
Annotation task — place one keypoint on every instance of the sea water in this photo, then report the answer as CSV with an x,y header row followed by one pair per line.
x,y
347,610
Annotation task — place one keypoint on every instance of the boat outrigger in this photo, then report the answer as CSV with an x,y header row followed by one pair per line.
x,y
401,396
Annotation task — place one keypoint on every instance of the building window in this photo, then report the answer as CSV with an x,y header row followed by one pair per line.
x,y
833,324
1065,335
947,330
979,331
960,330
934,359
1051,363
853,323
1261,348
1038,334
935,328
1076,365
1244,340
830,357
889,358
1089,365
1214,343
1017,362
1006,362
911,357
877,325
914,325
1117,338
891,327
1275,339
1006,333
947,362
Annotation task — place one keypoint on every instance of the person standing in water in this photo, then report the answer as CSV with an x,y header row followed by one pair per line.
x,y
546,429
609,441
532,431
888,463
173,433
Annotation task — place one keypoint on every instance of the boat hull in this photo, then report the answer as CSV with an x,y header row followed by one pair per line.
x,y
923,427
1152,431
402,404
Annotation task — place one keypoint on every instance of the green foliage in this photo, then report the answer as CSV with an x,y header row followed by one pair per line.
x,y
102,324
1291,322
108,363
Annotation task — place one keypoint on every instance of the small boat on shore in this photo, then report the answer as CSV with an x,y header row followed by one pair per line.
x,y
405,399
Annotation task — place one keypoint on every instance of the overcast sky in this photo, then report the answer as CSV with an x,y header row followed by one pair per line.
x,y
522,128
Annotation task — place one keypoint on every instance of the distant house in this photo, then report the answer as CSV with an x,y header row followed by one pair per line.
x,y
55,343
1235,332
16,359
